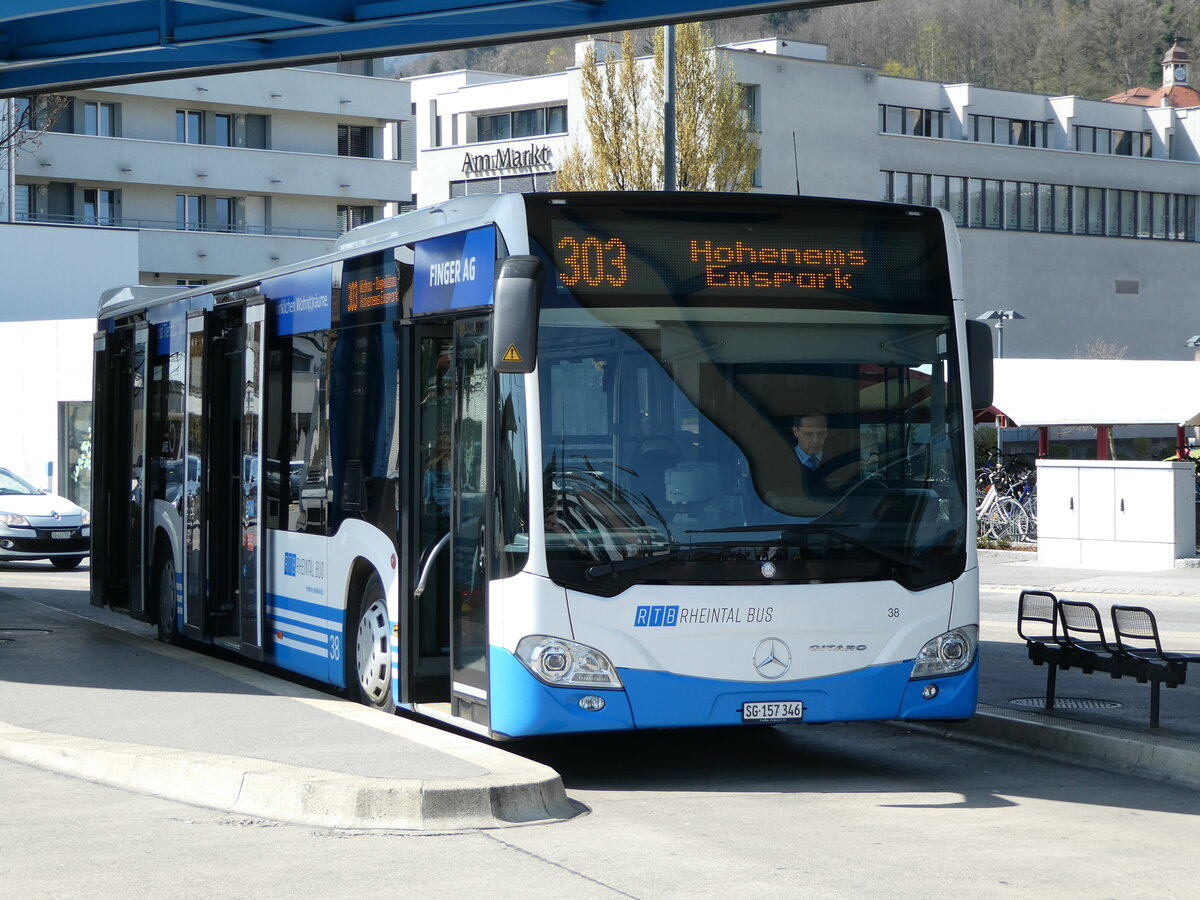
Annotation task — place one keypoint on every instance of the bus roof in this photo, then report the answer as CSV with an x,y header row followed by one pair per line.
x,y
440,218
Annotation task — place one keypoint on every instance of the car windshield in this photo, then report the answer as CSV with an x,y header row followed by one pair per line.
x,y
15,484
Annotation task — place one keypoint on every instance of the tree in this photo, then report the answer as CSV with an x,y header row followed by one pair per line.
x,y
23,122
623,124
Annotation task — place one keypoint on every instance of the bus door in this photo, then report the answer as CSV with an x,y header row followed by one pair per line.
x,y
223,574
118,526
445,546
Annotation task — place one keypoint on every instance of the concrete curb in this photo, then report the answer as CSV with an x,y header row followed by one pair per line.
x,y
298,795
1080,743
1094,589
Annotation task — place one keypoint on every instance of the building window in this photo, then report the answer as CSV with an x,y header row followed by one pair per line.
x,y
189,212
223,214
354,140
353,216
493,128
257,133
191,282
75,451
99,206
539,182
223,130
23,202
1049,208
912,120
189,126
100,118
1112,141
528,122
750,106
521,123
1002,130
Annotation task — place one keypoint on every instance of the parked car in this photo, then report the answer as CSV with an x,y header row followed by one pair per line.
x,y
35,524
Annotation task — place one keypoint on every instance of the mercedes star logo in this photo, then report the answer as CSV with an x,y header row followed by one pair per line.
x,y
772,658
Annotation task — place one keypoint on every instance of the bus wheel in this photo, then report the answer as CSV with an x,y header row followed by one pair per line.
x,y
168,624
369,673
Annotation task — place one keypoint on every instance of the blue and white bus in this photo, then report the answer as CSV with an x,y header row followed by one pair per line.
x,y
528,464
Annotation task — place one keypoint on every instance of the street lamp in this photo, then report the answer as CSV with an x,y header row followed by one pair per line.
x,y
999,316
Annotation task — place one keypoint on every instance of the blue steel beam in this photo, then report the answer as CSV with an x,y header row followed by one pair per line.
x,y
49,45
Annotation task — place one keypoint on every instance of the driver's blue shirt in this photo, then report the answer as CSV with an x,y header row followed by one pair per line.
x,y
807,459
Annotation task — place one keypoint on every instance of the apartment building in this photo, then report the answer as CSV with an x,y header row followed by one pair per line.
x,y
178,182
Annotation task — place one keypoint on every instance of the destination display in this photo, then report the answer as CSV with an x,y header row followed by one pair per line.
x,y
881,258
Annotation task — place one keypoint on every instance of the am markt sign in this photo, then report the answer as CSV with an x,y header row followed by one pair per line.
x,y
508,159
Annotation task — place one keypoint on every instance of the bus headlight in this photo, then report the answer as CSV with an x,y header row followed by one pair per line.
x,y
947,654
565,663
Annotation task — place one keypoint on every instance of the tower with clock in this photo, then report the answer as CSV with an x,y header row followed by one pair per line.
x,y
1175,64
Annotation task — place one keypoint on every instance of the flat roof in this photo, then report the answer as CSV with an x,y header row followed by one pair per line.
x,y
1035,392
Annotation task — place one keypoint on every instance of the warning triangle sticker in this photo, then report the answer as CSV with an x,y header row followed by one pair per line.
x,y
511,355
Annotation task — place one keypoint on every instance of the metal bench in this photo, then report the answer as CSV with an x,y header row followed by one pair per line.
x,y
1076,639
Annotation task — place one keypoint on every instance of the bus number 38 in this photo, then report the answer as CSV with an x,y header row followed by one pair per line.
x,y
592,262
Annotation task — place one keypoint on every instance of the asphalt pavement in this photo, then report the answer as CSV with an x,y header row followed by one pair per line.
x,y
86,699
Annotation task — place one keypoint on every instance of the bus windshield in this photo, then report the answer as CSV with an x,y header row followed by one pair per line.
x,y
697,431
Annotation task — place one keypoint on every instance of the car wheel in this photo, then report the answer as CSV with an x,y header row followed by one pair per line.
x,y
65,562
369,662
168,623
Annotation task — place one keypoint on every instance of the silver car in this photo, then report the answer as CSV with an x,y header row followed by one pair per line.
x,y
35,524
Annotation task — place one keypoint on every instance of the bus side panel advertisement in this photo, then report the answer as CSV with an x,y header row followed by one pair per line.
x,y
302,300
455,271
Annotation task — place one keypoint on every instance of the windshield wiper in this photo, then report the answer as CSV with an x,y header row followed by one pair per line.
x,y
886,553
617,566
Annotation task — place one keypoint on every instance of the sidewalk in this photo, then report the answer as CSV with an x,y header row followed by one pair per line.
x,y
1020,569
95,702
1098,720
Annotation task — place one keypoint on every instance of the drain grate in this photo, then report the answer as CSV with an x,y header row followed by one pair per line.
x,y
1066,703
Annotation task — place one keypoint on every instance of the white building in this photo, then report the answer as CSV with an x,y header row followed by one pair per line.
x,y
1078,214
177,182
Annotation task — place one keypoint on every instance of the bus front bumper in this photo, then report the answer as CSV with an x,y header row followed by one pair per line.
x,y
521,705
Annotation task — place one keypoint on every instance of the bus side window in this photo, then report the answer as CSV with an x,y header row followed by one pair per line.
x,y
297,439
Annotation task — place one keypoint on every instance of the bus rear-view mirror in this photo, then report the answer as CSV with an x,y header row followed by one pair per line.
x,y
515,315
979,360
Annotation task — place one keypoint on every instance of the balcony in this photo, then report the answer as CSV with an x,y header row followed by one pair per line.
x,y
203,168
307,91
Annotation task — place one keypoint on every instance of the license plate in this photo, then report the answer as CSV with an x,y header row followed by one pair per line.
x,y
773,711
62,535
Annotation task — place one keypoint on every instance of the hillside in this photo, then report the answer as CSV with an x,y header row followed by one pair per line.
x,y
1094,48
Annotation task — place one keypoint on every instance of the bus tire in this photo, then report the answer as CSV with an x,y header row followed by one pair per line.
x,y
165,599
369,662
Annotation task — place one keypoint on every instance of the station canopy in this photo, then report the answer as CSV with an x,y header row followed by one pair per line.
x,y
62,44
1031,393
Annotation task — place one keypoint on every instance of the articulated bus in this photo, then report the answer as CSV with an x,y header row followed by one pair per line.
x,y
528,464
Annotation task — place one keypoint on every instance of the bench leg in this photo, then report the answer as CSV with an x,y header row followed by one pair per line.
x,y
1154,685
1051,678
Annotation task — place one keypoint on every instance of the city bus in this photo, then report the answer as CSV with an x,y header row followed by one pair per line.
x,y
527,464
